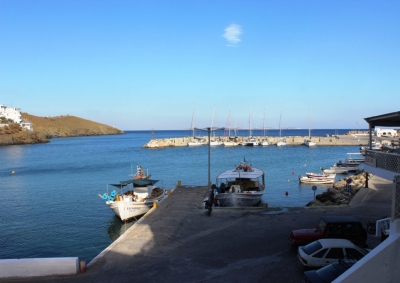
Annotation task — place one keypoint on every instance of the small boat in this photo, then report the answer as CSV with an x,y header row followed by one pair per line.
x,y
350,165
135,197
316,180
242,186
309,141
197,142
319,175
281,142
356,157
335,170
216,142
250,141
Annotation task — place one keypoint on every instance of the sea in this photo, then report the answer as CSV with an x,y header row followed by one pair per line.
x,y
50,204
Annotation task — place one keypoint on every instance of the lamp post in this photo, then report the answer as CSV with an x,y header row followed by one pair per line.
x,y
209,130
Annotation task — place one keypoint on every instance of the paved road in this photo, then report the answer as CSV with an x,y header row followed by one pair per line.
x,y
178,242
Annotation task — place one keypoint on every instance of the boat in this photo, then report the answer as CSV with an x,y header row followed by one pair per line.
x,y
357,157
346,166
309,142
316,180
195,141
335,170
232,141
264,141
348,163
281,142
250,141
214,141
242,186
133,198
319,175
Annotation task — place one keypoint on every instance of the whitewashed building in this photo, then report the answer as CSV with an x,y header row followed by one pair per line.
x,y
384,132
15,115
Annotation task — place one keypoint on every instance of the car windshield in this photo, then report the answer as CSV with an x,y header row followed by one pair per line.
x,y
321,226
312,247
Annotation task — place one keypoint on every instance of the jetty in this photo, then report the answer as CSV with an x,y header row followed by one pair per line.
x,y
335,140
177,241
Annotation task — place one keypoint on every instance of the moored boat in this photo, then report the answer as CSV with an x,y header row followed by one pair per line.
x,y
242,186
134,197
335,170
321,175
316,180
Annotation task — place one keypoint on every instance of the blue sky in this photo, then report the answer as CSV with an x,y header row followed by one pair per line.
x,y
140,65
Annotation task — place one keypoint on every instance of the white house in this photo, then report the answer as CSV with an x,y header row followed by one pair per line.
x,y
384,132
15,115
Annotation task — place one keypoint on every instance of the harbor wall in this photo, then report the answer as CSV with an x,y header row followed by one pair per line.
x,y
31,267
339,140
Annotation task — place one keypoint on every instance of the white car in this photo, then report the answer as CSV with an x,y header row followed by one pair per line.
x,y
326,251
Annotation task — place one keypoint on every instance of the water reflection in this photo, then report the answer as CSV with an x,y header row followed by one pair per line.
x,y
117,227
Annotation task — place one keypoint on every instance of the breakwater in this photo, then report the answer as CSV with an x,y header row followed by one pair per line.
x,y
339,140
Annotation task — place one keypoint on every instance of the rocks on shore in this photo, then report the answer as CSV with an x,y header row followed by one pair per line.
x,y
338,195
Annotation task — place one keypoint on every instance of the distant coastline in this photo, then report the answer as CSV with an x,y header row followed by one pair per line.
x,y
45,128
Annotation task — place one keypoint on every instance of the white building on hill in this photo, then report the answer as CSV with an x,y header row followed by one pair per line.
x,y
15,115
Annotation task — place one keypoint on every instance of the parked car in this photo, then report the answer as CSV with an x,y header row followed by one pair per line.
x,y
340,227
325,251
328,273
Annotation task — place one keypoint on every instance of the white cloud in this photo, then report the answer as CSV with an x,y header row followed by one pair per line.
x,y
232,34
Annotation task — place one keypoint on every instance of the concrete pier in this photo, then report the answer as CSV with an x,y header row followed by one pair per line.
x,y
178,242
337,140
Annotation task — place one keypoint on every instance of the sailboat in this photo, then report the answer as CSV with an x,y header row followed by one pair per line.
x,y
281,142
309,141
214,142
231,140
250,141
264,142
195,141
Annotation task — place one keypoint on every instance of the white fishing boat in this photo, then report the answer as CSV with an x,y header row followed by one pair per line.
x,y
281,142
335,170
319,175
134,197
315,180
346,166
242,186
309,142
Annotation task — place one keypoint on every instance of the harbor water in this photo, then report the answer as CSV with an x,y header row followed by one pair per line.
x,y
50,203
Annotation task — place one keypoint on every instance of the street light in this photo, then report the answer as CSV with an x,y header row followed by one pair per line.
x,y
209,130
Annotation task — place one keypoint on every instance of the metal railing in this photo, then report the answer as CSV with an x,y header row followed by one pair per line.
x,y
384,160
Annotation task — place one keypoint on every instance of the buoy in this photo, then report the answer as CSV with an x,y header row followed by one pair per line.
x,y
13,172
288,180
293,172
286,193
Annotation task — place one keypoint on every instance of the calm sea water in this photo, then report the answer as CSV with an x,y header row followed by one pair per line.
x,y
51,208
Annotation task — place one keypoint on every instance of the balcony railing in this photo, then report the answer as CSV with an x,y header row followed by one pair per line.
x,y
384,160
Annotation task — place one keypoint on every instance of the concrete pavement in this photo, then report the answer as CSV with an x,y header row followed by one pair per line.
x,y
178,242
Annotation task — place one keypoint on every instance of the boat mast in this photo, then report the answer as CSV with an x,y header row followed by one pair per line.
x,y
194,105
264,122
280,130
250,123
309,123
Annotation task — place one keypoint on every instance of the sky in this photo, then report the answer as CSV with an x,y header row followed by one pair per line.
x,y
172,65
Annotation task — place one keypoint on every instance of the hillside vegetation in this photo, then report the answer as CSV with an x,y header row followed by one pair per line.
x,y
45,128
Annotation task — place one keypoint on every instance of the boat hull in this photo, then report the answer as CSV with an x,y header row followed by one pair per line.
x,y
127,210
239,199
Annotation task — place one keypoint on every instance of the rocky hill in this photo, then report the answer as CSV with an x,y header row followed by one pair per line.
x,y
45,128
